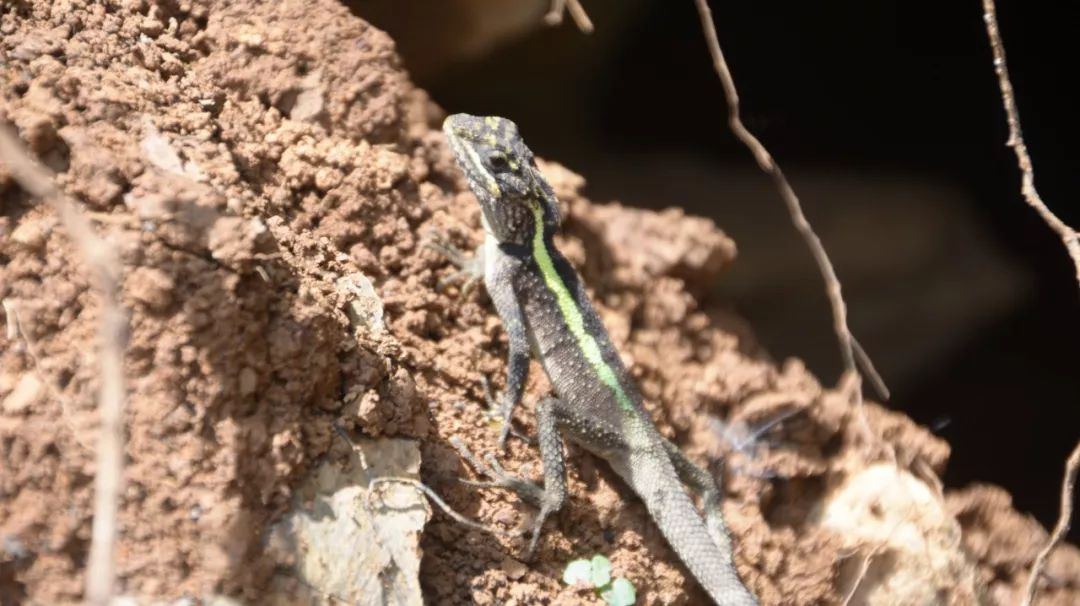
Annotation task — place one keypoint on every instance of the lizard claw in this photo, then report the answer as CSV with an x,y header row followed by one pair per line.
x,y
465,277
537,527
438,241
501,411
528,491
470,267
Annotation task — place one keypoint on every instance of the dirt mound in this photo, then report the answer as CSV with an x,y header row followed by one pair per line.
x,y
256,166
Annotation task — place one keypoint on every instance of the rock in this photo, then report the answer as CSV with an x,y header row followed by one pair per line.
x,y
27,392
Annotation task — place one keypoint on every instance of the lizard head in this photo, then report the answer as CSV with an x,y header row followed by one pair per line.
x,y
501,172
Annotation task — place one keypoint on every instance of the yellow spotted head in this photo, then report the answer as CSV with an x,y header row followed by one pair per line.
x,y
502,174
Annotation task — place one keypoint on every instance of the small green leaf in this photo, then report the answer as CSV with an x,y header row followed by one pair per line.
x,y
601,571
578,571
621,593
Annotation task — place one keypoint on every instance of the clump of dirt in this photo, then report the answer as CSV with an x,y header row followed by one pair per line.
x,y
252,163
171,124
1004,542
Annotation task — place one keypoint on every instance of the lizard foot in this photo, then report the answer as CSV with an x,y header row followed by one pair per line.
x,y
500,478
470,267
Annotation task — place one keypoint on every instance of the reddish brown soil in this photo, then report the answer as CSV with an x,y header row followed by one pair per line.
x,y
244,156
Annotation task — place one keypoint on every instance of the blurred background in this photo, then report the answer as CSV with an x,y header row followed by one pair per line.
x,y
887,119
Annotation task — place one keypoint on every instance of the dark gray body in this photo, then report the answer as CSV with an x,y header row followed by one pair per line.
x,y
539,297
587,413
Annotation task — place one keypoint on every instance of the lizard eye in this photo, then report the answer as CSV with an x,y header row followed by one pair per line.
x,y
498,162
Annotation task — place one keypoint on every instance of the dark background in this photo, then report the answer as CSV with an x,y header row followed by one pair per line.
x,y
888,120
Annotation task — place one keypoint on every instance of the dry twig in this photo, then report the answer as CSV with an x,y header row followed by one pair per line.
x,y
851,353
1068,487
1069,236
554,16
417,484
435,498
860,576
105,275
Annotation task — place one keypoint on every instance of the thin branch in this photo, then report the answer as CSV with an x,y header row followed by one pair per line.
x,y
435,498
848,345
1068,487
105,275
1069,237
864,567
417,484
862,359
554,16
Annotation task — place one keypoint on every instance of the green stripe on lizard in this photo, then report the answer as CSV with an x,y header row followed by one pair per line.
x,y
589,347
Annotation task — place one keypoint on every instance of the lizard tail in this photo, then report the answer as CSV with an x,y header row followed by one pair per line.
x,y
707,554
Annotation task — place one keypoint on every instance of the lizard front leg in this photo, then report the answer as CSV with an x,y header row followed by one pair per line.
x,y
517,360
471,268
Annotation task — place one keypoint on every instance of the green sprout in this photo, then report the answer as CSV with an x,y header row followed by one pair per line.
x,y
596,573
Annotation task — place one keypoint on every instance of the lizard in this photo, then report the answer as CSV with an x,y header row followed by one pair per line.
x,y
546,313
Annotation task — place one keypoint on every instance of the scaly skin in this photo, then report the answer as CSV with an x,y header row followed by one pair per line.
x,y
546,313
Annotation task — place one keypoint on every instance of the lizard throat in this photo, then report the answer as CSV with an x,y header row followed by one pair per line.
x,y
590,349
